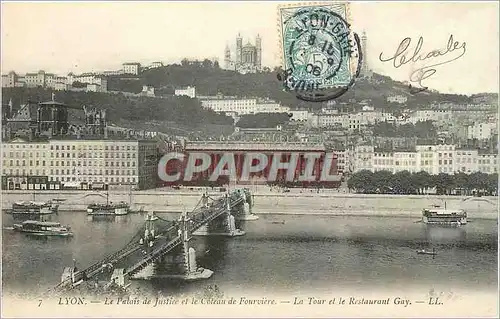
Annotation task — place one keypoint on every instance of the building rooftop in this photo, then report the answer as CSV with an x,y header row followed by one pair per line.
x,y
253,146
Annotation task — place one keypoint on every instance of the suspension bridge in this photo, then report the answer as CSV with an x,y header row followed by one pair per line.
x,y
164,241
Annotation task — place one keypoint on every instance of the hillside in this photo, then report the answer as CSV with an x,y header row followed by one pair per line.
x,y
210,80
181,112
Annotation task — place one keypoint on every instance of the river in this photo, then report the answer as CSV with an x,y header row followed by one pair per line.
x,y
279,253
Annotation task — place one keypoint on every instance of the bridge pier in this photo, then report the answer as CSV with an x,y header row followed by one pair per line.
x,y
245,212
224,225
180,263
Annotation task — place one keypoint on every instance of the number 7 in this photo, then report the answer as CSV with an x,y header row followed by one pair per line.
x,y
40,302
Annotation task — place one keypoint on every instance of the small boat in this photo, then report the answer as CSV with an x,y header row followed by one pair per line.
x,y
108,209
38,228
426,252
33,208
278,222
113,209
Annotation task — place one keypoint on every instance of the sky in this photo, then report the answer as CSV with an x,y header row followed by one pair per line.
x,y
95,36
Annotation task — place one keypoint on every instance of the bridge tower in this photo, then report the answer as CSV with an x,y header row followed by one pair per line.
x,y
181,262
149,231
224,225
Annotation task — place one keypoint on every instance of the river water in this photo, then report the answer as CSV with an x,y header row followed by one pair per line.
x,y
279,253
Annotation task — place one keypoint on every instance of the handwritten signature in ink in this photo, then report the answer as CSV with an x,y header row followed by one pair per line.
x,y
403,56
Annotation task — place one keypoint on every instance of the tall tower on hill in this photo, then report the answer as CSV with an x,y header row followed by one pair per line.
x,y
239,47
365,69
258,49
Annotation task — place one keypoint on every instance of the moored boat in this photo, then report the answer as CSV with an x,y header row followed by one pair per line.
x,y
114,209
447,217
108,209
33,208
38,228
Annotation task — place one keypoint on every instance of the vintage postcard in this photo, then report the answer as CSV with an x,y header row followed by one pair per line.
x,y
249,159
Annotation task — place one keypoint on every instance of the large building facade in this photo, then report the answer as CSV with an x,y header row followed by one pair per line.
x,y
240,150
58,162
246,58
241,106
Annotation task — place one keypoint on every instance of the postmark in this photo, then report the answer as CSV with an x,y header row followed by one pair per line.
x,y
321,56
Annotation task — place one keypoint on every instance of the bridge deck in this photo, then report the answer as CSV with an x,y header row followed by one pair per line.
x,y
167,239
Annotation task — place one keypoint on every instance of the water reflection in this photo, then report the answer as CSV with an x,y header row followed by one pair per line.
x,y
109,218
37,217
445,235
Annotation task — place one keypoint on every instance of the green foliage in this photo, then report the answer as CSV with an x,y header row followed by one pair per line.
x,y
178,109
420,129
210,80
404,182
263,120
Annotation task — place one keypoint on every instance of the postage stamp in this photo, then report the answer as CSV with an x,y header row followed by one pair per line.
x,y
321,56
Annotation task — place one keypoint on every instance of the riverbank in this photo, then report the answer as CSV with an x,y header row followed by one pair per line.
x,y
296,202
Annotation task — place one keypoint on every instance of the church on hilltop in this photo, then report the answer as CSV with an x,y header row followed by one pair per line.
x,y
247,58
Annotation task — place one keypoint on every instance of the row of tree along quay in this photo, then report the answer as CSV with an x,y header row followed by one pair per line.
x,y
404,182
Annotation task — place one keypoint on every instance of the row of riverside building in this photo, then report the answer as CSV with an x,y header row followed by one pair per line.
x,y
433,159
58,162
55,163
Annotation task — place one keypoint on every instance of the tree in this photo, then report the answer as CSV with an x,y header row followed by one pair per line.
x,y
207,63
493,184
461,180
263,120
362,181
421,181
382,181
175,109
402,183
405,182
444,183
